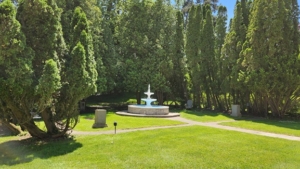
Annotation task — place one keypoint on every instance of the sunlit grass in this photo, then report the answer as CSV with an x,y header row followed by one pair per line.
x,y
124,122
274,126
184,147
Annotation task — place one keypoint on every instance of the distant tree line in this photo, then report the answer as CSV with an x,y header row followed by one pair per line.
x,y
55,53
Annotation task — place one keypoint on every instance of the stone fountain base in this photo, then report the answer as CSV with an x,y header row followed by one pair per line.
x,y
126,113
148,111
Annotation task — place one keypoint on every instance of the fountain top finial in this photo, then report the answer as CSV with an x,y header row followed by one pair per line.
x,y
148,93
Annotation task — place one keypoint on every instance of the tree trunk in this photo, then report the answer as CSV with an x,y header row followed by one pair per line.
x,y
34,131
49,122
138,97
160,97
12,128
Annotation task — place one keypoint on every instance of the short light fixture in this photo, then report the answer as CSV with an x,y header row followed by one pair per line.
x,y
115,124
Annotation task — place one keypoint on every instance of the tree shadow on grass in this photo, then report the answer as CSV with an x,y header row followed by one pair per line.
x,y
279,123
211,113
23,151
91,115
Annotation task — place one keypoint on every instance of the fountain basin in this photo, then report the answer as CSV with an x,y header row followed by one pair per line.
x,y
148,101
148,110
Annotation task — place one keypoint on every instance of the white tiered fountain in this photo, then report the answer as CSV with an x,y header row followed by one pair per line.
x,y
148,110
148,100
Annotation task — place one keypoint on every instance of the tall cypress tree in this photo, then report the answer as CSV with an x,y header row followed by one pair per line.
x,y
231,55
271,61
15,69
193,42
79,72
207,59
95,21
179,84
133,30
55,89
220,33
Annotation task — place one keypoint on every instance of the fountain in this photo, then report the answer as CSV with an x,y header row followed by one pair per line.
x,y
148,100
148,110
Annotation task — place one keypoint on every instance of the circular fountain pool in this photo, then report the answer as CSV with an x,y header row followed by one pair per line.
x,y
148,110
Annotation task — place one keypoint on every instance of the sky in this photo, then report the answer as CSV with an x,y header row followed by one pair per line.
x,y
230,7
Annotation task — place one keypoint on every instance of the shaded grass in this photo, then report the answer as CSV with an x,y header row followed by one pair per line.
x,y
204,116
274,126
87,120
184,147
119,98
124,122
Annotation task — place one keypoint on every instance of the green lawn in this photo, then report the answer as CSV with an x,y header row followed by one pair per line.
x,y
124,122
183,147
273,126
204,116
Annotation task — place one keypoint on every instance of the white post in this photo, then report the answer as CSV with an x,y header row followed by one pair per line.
x,y
100,118
235,110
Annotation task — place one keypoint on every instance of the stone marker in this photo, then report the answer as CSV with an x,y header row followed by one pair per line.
x,y
189,104
100,118
235,110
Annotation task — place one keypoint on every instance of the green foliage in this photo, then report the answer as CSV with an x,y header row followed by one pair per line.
x,y
178,81
82,34
271,56
15,64
57,79
231,50
145,34
207,58
220,34
49,84
91,22
192,49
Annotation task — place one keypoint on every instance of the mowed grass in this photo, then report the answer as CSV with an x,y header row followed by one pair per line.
x,y
273,126
182,147
124,122
204,116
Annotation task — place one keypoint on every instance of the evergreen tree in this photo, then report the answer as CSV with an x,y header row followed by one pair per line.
x,y
15,69
231,55
132,30
45,38
220,33
50,87
245,9
161,37
94,20
270,56
79,72
207,59
193,42
178,81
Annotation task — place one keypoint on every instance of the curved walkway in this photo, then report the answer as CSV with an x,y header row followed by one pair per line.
x,y
192,123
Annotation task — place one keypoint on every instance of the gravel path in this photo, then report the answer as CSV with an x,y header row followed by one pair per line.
x,y
192,123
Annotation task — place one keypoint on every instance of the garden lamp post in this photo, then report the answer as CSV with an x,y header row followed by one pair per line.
x,y
115,124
